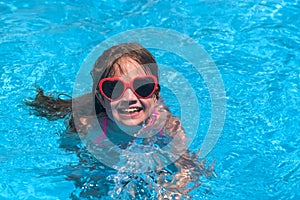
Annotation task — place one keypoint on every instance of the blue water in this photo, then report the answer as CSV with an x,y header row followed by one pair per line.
x,y
254,44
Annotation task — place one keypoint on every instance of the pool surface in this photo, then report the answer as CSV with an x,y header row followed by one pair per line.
x,y
254,44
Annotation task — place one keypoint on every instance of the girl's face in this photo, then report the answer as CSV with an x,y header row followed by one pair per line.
x,y
129,110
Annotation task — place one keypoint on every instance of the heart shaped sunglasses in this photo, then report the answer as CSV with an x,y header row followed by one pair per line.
x,y
142,86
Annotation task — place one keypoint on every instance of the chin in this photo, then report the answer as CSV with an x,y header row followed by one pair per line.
x,y
133,122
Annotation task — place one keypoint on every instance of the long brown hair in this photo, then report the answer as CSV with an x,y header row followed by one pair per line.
x,y
53,107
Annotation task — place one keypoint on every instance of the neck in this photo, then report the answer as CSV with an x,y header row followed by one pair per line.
x,y
119,133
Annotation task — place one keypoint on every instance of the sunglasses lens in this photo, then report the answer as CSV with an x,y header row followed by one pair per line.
x,y
112,89
144,87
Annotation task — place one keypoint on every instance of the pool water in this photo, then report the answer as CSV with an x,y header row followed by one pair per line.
x,y
254,44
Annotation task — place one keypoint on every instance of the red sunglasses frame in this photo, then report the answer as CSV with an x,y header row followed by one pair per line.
x,y
127,85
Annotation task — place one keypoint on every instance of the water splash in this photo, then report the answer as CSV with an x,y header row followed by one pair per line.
x,y
145,172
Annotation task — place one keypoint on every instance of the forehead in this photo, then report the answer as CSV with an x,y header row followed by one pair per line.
x,y
127,68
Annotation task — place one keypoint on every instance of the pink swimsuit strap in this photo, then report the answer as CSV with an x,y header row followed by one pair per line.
x,y
104,128
154,118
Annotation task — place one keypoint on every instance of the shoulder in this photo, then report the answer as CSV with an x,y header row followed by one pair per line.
x,y
172,124
175,133
85,124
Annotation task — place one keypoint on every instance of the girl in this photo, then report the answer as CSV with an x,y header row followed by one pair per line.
x,y
125,103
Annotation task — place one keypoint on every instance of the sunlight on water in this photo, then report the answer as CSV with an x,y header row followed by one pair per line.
x,y
255,45
147,171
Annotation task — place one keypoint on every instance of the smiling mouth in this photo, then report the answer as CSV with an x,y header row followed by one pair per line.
x,y
129,110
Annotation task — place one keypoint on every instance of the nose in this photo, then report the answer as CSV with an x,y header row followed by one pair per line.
x,y
128,98
129,95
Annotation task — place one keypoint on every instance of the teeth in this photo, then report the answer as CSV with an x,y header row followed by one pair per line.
x,y
129,110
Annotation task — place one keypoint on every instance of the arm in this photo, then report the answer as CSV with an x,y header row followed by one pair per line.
x,y
175,130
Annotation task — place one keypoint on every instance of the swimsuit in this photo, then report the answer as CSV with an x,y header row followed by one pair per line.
x,y
104,126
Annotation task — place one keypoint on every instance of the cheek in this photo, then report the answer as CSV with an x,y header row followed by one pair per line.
x,y
148,104
109,107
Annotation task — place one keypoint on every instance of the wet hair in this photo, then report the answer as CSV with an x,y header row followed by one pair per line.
x,y
53,108
107,65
